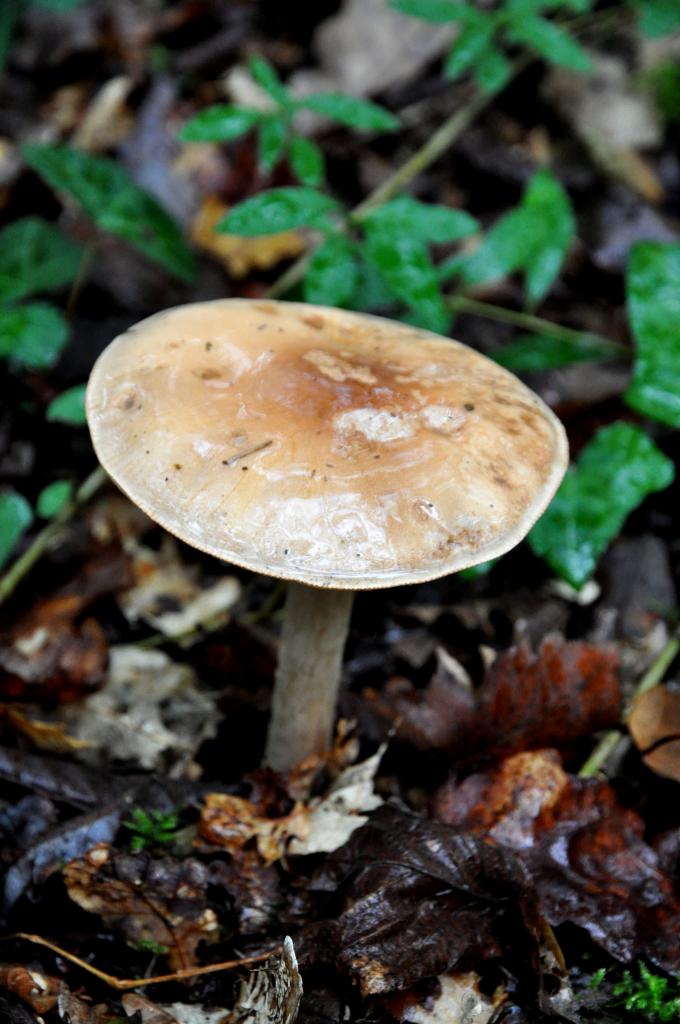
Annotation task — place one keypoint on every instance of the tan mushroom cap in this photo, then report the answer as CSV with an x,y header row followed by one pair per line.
x,y
334,448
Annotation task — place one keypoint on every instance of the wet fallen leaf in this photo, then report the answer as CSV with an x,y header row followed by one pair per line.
x,y
75,1010
168,595
254,888
567,690
454,998
37,989
150,710
231,822
239,256
654,724
415,898
51,647
585,852
160,900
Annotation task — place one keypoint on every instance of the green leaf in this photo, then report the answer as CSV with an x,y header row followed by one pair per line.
x,y
15,518
353,112
614,473
265,75
551,42
220,123
9,15
58,6
53,498
658,17
429,222
431,10
114,203
470,46
545,352
35,257
306,160
653,286
271,137
332,273
533,237
405,264
492,70
32,336
277,209
68,407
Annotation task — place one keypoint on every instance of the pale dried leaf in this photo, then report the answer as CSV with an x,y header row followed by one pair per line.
x,y
150,710
459,1002
654,724
231,821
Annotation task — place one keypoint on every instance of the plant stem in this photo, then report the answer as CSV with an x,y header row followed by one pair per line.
x,y
611,740
529,322
44,539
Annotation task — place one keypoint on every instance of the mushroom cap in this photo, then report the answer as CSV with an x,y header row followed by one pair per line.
x,y
314,444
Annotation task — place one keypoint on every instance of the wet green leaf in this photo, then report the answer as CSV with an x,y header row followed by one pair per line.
x,y
68,407
534,237
32,336
492,70
35,257
306,160
15,518
350,111
220,123
428,222
332,273
546,352
265,75
53,498
471,45
277,209
653,287
114,203
431,10
404,263
551,42
271,139
658,17
614,474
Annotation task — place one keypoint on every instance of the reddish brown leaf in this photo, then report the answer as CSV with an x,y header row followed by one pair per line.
x,y
586,854
654,724
34,987
567,690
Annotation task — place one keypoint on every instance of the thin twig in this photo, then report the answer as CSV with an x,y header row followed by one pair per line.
x,y
124,984
529,322
42,541
611,740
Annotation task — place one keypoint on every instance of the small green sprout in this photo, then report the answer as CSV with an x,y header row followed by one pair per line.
x,y
151,828
149,946
653,996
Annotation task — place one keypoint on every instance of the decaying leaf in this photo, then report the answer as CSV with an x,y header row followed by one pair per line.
x,y
415,898
232,821
272,993
160,900
167,593
334,817
454,998
51,647
586,854
238,255
567,690
35,988
73,1009
150,710
172,1013
654,724
43,735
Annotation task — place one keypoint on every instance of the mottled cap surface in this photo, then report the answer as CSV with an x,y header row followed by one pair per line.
x,y
313,444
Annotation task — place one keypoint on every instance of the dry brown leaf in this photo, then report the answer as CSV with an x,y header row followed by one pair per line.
x,y
160,900
37,989
231,822
241,255
47,736
654,724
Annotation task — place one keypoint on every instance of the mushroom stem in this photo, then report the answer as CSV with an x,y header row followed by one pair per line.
x,y
308,675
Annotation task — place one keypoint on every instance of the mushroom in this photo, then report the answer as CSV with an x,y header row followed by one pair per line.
x,y
335,450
